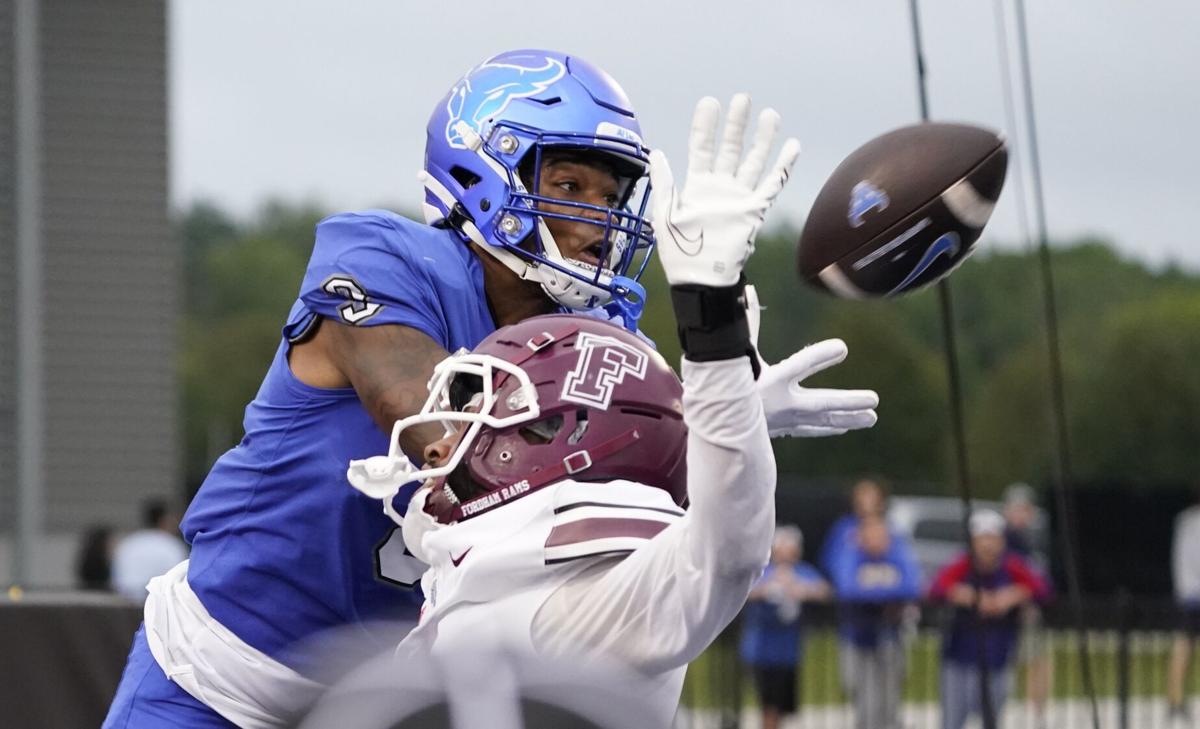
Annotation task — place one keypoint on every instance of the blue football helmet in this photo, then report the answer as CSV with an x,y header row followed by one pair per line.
x,y
498,121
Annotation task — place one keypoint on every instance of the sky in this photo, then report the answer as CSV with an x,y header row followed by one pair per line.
x,y
310,100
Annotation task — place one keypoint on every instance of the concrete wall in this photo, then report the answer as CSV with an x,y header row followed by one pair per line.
x,y
110,289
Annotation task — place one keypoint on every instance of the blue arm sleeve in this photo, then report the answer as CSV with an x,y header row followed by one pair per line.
x,y
835,544
364,271
808,574
843,568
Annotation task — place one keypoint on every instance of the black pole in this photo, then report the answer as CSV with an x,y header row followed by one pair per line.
x,y
1063,474
1124,626
954,381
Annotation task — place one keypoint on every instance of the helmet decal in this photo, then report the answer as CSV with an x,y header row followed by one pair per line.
x,y
602,365
486,91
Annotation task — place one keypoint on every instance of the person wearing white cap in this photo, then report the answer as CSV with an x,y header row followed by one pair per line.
x,y
1185,572
986,601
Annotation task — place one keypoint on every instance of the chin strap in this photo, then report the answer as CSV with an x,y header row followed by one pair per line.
x,y
577,462
629,298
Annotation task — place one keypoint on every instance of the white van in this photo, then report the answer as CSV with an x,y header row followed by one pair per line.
x,y
934,526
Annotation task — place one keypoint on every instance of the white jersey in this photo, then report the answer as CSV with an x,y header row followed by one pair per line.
x,y
615,569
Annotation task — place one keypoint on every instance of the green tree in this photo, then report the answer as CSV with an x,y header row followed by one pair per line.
x,y
242,280
1137,416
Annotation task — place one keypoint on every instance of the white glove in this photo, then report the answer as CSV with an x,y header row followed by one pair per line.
x,y
706,232
810,413
794,410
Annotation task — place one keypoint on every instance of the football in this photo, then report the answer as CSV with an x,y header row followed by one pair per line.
x,y
903,210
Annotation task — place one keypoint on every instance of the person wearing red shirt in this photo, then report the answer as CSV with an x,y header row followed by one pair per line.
x,y
986,606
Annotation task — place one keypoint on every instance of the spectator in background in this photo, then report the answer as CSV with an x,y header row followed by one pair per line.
x,y
874,579
1020,516
771,626
868,497
149,551
1185,571
93,561
987,603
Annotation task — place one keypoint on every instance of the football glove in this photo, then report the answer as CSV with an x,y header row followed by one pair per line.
x,y
794,410
706,231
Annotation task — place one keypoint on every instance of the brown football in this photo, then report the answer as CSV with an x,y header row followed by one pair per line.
x,y
903,210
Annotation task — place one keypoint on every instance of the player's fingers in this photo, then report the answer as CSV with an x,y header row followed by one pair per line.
x,y
756,158
813,358
814,431
662,180
778,175
730,151
703,137
828,400
852,419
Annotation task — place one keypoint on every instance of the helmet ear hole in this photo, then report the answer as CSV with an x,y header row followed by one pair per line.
x,y
464,177
543,431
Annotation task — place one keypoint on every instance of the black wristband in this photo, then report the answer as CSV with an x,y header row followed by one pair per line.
x,y
711,322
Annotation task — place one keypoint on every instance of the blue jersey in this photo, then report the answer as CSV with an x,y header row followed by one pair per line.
x,y
282,546
871,591
772,630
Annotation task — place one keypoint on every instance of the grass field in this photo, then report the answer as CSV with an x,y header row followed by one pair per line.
x,y
717,679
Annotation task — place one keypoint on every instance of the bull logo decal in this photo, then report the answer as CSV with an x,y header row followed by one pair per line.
x,y
604,363
486,91
864,198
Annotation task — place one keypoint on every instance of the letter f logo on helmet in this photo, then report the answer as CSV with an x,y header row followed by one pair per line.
x,y
602,365
486,91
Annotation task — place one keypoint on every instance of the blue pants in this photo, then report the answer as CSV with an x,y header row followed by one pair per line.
x,y
147,699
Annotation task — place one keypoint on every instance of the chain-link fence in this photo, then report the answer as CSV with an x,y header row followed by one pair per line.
x,y
1129,641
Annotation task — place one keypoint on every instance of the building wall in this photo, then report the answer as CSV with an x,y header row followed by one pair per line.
x,y
110,294
7,263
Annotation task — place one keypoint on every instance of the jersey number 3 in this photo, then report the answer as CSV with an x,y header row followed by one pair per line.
x,y
359,308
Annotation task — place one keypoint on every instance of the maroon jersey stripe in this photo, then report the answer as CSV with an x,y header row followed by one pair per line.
x,y
600,528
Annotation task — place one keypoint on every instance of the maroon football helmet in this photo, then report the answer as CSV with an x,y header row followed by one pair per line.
x,y
553,397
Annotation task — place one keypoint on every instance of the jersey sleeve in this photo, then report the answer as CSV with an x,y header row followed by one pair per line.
x,y
948,577
808,574
661,606
365,271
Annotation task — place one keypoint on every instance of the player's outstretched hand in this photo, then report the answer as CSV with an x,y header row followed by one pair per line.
x,y
706,230
793,409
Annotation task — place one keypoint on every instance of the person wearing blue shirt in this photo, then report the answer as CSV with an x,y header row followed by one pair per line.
x,y
534,200
868,497
875,581
772,629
